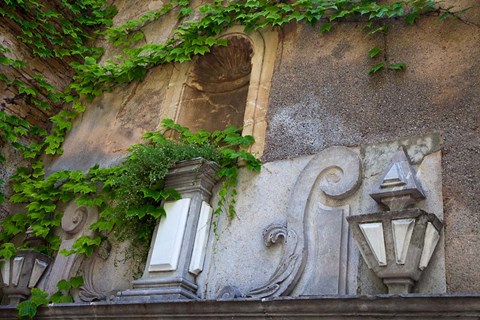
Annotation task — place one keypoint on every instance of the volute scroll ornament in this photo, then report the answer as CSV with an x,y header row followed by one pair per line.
x,y
284,276
89,292
336,172
75,223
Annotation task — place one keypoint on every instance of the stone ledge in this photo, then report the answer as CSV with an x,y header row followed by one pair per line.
x,y
326,307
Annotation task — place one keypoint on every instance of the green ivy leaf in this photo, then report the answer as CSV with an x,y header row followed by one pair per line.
x,y
64,285
7,250
397,66
76,282
382,28
326,27
374,52
27,309
410,18
376,68
38,297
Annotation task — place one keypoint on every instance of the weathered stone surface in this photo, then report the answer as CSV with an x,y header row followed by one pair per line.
x,y
318,255
323,99
215,93
322,96
423,153
333,308
237,255
113,122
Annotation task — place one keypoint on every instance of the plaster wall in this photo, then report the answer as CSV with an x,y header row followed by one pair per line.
x,y
321,95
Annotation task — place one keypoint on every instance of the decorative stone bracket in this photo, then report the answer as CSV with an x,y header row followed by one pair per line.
x,y
22,272
336,173
397,245
179,241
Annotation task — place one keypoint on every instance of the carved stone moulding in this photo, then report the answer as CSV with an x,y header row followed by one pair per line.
x,y
397,245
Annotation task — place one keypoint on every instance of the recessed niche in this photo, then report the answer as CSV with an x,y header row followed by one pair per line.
x,y
215,93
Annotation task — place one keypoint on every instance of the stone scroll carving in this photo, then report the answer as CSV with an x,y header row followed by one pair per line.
x,y
336,172
89,292
285,274
75,223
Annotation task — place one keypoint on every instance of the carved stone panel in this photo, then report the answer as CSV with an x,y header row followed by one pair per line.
x,y
409,170
316,236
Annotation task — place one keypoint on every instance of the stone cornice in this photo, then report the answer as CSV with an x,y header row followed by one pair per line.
x,y
329,307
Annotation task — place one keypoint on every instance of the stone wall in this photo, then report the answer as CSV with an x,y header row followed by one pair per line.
x,y
321,96
57,72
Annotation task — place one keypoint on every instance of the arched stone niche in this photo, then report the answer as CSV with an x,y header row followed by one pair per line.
x,y
229,86
215,93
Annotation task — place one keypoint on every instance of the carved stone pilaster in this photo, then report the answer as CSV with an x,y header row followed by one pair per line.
x,y
179,240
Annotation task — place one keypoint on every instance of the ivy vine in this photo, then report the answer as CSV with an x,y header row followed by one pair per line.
x,y
64,38
129,195
66,30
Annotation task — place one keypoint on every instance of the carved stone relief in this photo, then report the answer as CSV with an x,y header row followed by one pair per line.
x,y
315,233
89,291
75,223
399,179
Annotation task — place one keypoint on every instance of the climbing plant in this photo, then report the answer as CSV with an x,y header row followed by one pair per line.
x,y
28,309
131,194
64,38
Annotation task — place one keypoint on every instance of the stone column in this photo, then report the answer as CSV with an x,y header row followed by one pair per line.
x,y
179,241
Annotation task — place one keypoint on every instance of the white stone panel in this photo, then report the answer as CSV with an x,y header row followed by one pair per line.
x,y
402,234
430,242
169,236
332,249
5,271
17,269
373,232
38,269
201,238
